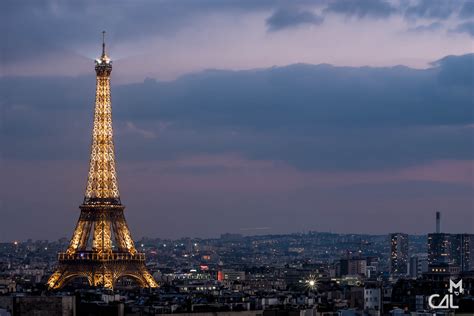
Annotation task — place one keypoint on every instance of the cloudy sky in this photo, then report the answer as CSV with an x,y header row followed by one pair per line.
x,y
242,116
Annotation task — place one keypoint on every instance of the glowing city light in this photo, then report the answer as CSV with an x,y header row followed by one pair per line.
x,y
311,282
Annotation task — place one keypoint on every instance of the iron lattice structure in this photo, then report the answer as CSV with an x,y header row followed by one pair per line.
x,y
101,248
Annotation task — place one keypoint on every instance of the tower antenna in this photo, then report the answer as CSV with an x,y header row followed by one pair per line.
x,y
103,43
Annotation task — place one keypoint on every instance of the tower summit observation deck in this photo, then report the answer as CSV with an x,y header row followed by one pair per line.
x,y
101,248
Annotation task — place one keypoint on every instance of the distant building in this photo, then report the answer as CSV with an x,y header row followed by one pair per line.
x,y
439,248
413,267
450,249
438,222
357,267
453,249
441,272
372,298
39,305
230,275
417,265
467,252
231,237
398,254
352,266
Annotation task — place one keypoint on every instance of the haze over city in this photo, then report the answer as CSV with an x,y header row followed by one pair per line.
x,y
244,117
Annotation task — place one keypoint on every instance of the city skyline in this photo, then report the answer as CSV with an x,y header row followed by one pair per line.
x,y
320,139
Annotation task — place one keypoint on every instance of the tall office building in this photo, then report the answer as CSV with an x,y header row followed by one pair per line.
x,y
454,249
439,248
398,254
467,251
451,249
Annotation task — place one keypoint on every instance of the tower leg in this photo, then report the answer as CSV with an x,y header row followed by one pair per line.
x,y
149,279
62,275
140,275
105,276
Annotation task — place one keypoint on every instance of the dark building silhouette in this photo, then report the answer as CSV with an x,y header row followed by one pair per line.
x,y
450,249
454,249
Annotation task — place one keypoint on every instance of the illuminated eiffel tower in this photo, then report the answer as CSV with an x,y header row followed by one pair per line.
x,y
101,248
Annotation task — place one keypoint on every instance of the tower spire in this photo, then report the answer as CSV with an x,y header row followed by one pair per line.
x,y
103,43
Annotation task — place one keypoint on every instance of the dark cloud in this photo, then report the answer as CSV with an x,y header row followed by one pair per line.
x,y
361,8
311,117
291,17
456,70
303,95
466,27
432,9
56,28
467,10
63,26
426,27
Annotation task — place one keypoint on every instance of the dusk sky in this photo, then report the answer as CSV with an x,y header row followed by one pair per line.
x,y
251,117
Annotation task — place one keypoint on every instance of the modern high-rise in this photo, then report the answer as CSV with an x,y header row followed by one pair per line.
x,y
467,252
398,254
451,249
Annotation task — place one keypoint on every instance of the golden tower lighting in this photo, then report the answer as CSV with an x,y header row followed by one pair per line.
x,y
101,248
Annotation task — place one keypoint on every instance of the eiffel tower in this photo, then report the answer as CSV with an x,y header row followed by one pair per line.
x,y
101,248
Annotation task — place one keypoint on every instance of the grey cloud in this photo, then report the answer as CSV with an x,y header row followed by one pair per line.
x,y
311,117
466,27
467,10
457,71
62,26
303,95
371,148
361,8
291,17
432,9
426,27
